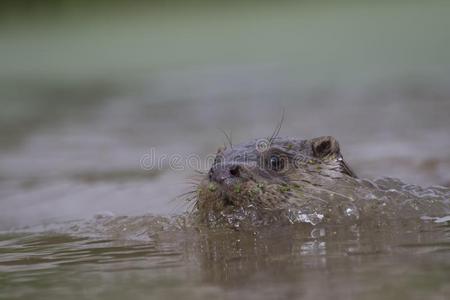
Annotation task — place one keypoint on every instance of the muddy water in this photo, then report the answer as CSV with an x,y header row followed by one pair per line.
x,y
113,152
84,105
81,218
148,257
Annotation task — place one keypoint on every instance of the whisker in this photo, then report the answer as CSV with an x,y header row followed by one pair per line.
x,y
183,195
277,128
185,200
227,136
194,178
192,182
191,206
200,172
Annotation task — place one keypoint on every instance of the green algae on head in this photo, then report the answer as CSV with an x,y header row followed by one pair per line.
x,y
268,177
288,180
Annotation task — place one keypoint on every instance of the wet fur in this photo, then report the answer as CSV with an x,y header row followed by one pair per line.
x,y
310,166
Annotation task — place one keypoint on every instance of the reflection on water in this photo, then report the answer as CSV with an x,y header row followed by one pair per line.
x,y
174,260
85,163
85,98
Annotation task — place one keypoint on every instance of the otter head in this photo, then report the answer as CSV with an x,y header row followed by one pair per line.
x,y
268,175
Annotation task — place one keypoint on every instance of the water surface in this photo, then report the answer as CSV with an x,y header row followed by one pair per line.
x,y
82,104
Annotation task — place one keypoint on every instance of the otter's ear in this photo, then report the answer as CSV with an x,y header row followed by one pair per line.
x,y
325,146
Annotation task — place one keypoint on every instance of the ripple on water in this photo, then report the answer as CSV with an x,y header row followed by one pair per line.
x,y
175,261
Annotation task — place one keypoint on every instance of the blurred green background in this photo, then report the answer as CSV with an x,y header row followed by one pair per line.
x,y
70,49
80,40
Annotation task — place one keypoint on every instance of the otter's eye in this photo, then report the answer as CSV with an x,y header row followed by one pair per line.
x,y
276,163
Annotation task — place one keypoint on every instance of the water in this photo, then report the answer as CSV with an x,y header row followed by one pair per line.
x,y
75,202
80,218
133,258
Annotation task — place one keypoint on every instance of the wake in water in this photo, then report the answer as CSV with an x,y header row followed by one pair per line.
x,y
351,201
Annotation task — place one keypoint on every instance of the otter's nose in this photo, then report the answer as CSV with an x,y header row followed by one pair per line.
x,y
221,172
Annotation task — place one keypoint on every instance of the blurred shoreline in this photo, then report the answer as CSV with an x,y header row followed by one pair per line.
x,y
324,39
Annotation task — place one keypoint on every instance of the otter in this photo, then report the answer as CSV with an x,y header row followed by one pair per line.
x,y
290,180
268,175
